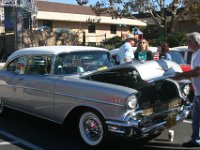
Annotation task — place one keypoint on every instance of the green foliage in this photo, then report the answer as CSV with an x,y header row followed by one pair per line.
x,y
112,43
177,39
155,35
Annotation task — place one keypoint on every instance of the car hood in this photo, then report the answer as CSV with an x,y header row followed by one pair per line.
x,y
149,71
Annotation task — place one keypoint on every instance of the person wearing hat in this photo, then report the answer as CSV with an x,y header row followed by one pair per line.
x,y
126,52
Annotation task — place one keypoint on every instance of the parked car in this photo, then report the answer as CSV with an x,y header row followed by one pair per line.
x,y
187,54
175,54
178,58
115,51
60,83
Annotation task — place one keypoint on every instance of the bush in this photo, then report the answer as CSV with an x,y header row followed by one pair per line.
x,y
112,43
177,39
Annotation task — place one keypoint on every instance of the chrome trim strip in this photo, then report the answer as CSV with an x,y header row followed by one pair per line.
x,y
89,99
72,96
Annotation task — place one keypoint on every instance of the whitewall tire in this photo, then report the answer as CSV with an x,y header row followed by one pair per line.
x,y
91,129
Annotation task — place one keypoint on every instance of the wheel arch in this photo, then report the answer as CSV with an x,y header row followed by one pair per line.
x,y
75,113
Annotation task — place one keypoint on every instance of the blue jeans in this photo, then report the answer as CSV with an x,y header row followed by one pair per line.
x,y
196,120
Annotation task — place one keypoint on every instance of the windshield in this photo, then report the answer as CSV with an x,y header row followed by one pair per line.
x,y
80,62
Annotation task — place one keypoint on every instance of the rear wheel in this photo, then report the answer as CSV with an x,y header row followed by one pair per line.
x,y
92,129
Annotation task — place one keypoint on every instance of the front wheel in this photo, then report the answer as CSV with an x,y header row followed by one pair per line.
x,y
92,129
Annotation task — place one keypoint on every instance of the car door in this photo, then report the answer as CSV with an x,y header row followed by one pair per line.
x,y
7,86
34,88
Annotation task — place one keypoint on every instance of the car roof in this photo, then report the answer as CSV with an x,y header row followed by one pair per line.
x,y
53,50
180,48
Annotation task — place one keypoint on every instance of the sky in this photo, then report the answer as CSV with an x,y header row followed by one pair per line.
x,y
90,2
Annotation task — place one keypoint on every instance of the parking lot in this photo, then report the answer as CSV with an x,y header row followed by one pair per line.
x,y
22,132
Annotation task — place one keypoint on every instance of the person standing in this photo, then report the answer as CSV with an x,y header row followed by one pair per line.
x,y
143,52
194,74
125,53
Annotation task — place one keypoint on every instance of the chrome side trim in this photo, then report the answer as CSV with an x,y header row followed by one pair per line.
x,y
72,96
88,99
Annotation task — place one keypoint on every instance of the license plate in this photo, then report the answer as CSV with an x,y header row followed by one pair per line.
x,y
171,121
161,107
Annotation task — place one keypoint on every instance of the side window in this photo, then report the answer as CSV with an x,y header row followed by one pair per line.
x,y
17,65
38,65
12,65
21,65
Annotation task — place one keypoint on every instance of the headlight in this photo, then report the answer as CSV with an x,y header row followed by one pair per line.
x,y
186,89
131,102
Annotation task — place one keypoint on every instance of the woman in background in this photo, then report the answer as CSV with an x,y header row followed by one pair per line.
x,y
163,50
143,52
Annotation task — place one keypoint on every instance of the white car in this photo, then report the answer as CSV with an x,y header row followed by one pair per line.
x,y
115,51
187,54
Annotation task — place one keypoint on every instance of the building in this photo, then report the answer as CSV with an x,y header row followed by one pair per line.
x,y
83,19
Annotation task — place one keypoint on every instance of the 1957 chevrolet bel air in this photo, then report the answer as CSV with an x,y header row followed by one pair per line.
x,y
132,100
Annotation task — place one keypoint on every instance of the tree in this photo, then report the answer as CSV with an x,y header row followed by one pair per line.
x,y
194,12
158,10
62,36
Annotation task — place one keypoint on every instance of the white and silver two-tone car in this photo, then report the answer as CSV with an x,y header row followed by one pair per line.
x,y
60,83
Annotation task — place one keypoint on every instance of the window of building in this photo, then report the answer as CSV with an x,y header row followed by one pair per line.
x,y
131,28
48,23
113,29
92,28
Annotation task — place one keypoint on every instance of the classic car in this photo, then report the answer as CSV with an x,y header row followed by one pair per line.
x,y
60,83
187,54
176,54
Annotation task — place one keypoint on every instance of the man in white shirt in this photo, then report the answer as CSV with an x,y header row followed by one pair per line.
x,y
126,53
194,74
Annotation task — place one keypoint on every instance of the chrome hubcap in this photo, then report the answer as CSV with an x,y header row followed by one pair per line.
x,y
92,128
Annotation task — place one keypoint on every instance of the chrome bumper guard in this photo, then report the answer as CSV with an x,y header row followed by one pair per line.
x,y
136,128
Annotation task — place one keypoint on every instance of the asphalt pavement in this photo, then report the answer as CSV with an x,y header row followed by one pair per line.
x,y
19,131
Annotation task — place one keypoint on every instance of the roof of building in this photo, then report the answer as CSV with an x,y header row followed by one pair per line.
x,y
76,13
64,8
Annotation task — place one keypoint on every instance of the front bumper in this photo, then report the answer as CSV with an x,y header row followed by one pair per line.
x,y
140,128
